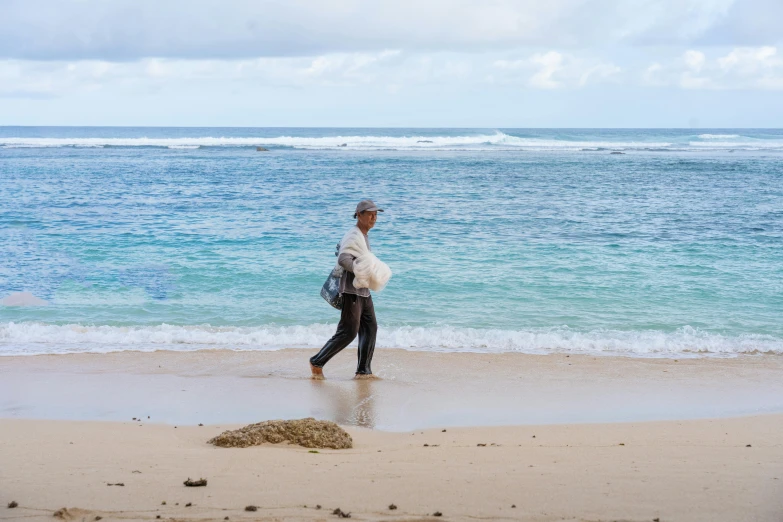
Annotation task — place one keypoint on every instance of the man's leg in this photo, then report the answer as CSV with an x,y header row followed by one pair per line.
x,y
368,328
347,329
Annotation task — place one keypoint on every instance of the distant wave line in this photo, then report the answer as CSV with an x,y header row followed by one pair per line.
x,y
497,141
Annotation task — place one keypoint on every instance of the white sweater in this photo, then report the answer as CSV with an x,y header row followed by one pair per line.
x,y
369,271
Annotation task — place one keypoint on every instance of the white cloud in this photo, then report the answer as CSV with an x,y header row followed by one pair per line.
x,y
207,29
548,65
390,68
554,70
742,68
599,72
394,71
694,60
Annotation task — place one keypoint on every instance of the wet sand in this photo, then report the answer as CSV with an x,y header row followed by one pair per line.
x,y
418,390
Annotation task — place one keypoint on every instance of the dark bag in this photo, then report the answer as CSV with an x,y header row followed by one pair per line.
x,y
331,289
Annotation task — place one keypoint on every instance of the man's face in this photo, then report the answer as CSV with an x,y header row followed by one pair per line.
x,y
367,219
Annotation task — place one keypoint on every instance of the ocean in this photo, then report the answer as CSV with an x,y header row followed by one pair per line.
x,y
641,243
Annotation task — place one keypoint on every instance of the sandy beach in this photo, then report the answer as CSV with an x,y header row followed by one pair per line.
x,y
566,437
710,470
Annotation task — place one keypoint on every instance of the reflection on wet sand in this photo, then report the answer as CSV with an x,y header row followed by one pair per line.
x,y
419,390
348,403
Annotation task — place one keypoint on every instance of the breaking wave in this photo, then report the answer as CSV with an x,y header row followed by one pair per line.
x,y
478,142
495,141
33,338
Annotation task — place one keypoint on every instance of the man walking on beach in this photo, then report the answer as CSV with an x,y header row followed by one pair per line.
x,y
358,313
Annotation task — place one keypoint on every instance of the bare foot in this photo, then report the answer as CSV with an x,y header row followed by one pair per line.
x,y
366,377
317,373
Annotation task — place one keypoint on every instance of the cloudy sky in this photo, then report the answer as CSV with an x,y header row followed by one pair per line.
x,y
455,63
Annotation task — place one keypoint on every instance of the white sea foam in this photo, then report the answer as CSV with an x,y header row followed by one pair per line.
x,y
496,141
29,338
738,145
476,142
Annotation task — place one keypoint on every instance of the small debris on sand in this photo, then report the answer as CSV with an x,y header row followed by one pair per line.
x,y
116,484
135,471
656,520
189,504
251,508
339,512
392,507
62,513
98,517
621,444
157,516
225,518
437,514
318,506
513,505
12,504
443,431
195,483
748,446
308,432
426,445
163,503
313,451
200,424
481,445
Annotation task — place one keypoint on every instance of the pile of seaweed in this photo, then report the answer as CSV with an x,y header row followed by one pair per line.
x,y
308,432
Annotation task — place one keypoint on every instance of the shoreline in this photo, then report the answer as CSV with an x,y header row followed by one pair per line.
x,y
418,390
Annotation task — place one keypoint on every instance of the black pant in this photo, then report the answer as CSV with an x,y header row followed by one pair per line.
x,y
358,317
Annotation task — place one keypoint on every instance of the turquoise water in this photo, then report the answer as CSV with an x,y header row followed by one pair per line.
x,y
500,240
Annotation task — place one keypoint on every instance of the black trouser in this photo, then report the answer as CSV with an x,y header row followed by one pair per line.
x,y
358,317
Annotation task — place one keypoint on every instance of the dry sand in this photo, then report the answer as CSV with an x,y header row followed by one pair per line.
x,y
672,471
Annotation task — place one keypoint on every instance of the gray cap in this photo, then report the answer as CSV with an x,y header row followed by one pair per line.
x,y
366,205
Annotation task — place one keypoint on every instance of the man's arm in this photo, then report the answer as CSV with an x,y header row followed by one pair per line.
x,y
346,261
